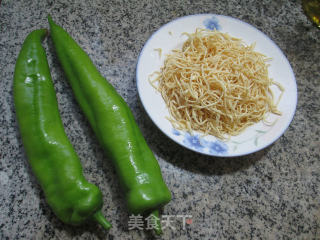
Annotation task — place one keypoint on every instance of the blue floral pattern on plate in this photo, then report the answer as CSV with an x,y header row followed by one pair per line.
x,y
193,141
198,143
217,147
212,23
175,132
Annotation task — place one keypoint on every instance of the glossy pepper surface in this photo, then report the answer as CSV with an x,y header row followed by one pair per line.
x,y
114,125
52,157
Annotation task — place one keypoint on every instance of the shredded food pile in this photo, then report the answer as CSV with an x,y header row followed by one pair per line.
x,y
216,85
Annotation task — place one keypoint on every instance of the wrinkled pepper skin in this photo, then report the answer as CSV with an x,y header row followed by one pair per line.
x,y
51,156
114,125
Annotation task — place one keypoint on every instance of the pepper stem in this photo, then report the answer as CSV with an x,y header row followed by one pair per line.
x,y
101,220
157,229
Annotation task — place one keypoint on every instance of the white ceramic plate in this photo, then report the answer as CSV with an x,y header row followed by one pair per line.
x,y
254,138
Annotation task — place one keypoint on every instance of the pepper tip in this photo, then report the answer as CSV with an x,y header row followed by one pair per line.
x,y
157,229
50,19
101,220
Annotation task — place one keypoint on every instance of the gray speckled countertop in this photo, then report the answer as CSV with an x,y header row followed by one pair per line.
x,y
271,194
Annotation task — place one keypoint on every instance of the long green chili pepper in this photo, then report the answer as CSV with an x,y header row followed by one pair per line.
x,y
52,157
115,127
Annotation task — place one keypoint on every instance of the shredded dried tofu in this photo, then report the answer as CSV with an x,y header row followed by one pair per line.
x,y
216,85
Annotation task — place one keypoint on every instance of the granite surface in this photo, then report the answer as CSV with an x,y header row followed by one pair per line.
x,y
271,194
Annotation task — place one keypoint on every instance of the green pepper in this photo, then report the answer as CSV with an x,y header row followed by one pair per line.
x,y
114,125
52,158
